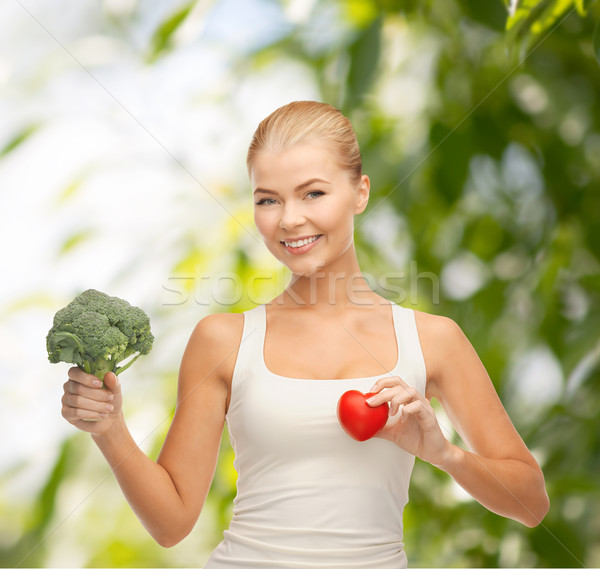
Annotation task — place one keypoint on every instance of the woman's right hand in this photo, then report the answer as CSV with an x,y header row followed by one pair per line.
x,y
88,405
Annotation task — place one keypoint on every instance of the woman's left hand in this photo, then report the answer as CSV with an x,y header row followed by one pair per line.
x,y
412,424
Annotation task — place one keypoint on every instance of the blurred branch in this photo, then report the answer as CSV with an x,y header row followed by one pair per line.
x,y
529,19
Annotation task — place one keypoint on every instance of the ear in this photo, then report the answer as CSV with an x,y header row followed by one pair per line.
x,y
362,194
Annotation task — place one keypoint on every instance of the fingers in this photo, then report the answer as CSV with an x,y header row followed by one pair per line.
x,y
75,414
389,381
394,391
83,390
80,376
99,403
111,383
417,409
82,383
85,400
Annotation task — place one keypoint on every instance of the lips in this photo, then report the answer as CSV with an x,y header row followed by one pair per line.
x,y
300,245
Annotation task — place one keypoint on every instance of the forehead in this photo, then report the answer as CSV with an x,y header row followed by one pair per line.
x,y
293,165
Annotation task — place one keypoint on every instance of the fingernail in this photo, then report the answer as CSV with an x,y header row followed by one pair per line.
x,y
97,383
111,397
109,408
370,400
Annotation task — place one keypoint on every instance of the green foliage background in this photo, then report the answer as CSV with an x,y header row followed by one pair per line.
x,y
479,124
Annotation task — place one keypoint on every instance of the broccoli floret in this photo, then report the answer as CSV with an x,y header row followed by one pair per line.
x,y
97,332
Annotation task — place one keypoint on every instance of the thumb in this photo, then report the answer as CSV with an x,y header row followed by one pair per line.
x,y
111,382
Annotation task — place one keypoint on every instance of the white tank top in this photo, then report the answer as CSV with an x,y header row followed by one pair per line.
x,y
309,496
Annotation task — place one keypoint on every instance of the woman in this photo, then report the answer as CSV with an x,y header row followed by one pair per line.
x,y
308,494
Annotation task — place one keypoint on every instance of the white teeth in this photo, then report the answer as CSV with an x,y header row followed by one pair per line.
x,y
301,242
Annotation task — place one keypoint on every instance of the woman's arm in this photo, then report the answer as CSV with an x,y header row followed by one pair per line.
x,y
166,495
498,470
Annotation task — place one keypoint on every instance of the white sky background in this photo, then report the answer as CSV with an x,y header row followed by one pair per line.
x,y
145,141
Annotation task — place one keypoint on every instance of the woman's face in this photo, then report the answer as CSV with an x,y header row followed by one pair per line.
x,y
304,206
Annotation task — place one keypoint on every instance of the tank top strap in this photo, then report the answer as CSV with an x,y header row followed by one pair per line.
x,y
410,356
254,321
252,339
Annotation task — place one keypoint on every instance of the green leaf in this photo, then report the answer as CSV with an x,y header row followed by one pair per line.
x,y
75,240
364,58
162,37
18,139
527,12
492,14
596,42
46,500
534,17
66,354
582,8
552,14
72,188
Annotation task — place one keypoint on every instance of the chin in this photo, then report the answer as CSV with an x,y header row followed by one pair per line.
x,y
309,271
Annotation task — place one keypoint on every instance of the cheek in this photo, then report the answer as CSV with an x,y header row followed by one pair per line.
x,y
261,221
337,214
267,225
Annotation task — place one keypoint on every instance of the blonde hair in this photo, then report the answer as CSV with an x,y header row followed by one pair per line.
x,y
309,121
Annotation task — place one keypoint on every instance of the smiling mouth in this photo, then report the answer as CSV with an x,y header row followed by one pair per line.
x,y
301,242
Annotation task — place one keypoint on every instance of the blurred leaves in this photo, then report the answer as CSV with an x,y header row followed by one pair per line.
x,y
29,550
530,20
75,240
596,42
485,195
364,58
162,38
18,139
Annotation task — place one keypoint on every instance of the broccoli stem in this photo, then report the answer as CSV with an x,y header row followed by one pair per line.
x,y
100,368
123,368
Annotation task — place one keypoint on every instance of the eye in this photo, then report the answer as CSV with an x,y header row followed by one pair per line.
x,y
265,200
316,193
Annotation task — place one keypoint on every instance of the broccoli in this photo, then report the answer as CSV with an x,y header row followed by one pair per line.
x,y
97,332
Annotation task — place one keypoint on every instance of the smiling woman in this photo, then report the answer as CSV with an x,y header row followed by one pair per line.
x,y
310,496
310,208
306,159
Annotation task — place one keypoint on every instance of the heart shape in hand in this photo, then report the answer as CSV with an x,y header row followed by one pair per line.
x,y
358,418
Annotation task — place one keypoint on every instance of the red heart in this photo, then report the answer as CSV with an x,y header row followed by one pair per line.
x,y
358,418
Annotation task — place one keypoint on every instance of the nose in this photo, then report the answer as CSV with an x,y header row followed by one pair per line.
x,y
291,216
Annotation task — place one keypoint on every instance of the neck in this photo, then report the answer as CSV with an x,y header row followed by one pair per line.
x,y
331,290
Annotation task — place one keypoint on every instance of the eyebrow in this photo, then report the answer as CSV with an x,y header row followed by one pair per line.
x,y
297,188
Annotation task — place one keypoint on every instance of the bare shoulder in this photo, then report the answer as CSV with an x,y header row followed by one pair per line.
x,y
214,343
443,344
435,328
219,329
